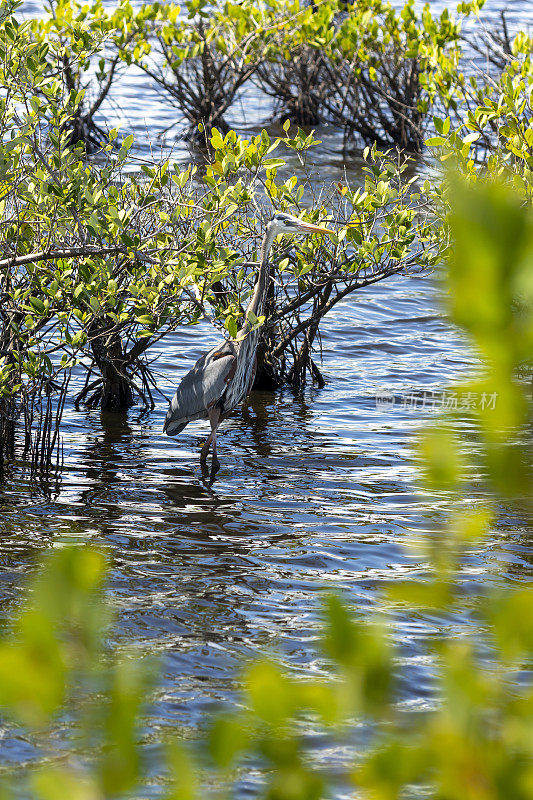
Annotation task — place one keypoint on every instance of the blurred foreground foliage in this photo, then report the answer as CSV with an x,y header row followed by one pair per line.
x,y
474,743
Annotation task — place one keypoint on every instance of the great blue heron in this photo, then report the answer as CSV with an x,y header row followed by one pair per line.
x,y
222,378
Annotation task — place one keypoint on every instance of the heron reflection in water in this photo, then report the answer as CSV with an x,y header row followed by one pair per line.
x,y
221,379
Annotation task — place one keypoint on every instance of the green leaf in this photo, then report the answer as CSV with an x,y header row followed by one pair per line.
x,y
471,137
37,305
435,141
231,327
273,163
441,462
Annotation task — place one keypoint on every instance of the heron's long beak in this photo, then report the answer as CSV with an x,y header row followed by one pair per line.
x,y
307,227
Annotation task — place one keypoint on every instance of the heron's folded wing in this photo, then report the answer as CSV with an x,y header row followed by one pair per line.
x,y
200,388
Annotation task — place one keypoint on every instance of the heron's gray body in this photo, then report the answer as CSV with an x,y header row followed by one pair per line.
x,y
220,379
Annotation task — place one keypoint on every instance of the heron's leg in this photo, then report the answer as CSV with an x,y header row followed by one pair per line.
x,y
205,449
216,462
214,418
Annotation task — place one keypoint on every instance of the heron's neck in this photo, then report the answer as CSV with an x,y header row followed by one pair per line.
x,y
257,302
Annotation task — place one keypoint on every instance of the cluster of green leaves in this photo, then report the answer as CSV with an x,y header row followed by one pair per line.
x,y
319,61
91,256
52,659
75,235
201,61
367,66
88,42
491,135
374,30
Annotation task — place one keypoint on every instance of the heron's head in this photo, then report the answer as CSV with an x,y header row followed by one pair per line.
x,y
286,223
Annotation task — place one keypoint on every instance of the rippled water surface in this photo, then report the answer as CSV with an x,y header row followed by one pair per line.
x,y
314,492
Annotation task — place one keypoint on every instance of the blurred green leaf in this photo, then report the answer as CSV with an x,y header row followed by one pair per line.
x,y
440,458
